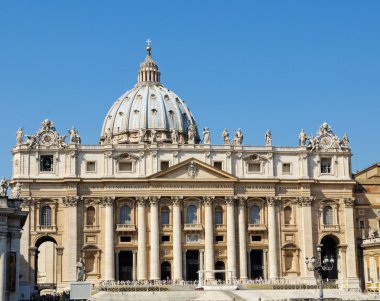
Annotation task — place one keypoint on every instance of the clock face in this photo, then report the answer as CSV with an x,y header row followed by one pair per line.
x,y
47,138
325,142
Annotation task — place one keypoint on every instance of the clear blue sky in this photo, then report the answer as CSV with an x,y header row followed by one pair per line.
x,y
282,65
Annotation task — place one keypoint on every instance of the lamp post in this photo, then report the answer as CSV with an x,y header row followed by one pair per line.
x,y
318,266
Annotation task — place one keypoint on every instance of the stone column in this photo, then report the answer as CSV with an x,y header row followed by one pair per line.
x,y
307,243
201,265
272,237
109,248
15,247
352,275
3,264
71,241
154,240
177,239
141,239
242,239
59,263
134,265
32,263
209,238
184,264
231,242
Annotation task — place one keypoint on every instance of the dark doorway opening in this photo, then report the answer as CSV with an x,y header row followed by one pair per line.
x,y
192,265
125,265
256,257
166,271
330,249
219,265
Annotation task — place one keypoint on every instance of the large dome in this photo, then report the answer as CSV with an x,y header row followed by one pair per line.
x,y
149,113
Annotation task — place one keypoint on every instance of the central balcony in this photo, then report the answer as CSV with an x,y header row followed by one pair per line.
x,y
193,227
257,227
125,227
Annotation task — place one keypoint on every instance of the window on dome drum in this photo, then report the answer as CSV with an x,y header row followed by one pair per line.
x,y
165,238
254,167
125,166
45,219
90,166
256,237
285,168
218,164
46,163
125,215
192,214
219,238
218,215
326,165
361,224
90,216
288,215
328,215
165,213
255,215
125,238
164,165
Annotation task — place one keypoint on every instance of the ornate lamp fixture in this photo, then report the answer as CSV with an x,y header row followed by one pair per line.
x,y
318,266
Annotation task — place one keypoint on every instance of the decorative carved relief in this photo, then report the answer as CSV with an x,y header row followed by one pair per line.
x,y
271,201
349,202
153,200
208,200
141,201
192,170
107,201
177,200
230,200
71,201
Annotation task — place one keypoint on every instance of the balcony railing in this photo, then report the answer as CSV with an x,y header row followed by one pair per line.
x,y
125,227
46,229
193,227
91,228
330,227
221,227
167,227
257,227
289,227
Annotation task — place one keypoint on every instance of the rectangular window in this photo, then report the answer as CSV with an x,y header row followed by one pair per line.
x,y
164,165
219,238
218,164
90,166
165,238
286,168
361,224
256,237
46,163
125,238
326,165
254,167
125,166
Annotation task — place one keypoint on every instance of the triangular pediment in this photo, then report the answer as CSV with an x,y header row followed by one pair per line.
x,y
193,169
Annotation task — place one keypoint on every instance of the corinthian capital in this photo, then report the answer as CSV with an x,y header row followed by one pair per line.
x,y
271,201
207,200
349,202
305,201
153,200
71,201
141,200
177,200
107,201
230,200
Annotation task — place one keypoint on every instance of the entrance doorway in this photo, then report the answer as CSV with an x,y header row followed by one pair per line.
x,y
256,258
125,265
219,265
46,262
329,248
192,265
166,271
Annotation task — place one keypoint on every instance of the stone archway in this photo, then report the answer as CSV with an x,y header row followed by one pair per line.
x,y
46,263
329,245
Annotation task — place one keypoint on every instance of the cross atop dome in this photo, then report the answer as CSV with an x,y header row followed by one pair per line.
x,y
148,72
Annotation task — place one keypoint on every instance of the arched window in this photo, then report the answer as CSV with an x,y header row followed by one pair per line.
x,y
288,219
255,215
90,216
191,214
125,215
45,219
165,215
327,215
218,215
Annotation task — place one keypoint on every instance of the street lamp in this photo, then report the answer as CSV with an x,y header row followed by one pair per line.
x,y
318,266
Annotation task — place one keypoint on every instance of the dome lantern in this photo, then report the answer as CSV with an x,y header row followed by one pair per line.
x,y
148,69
